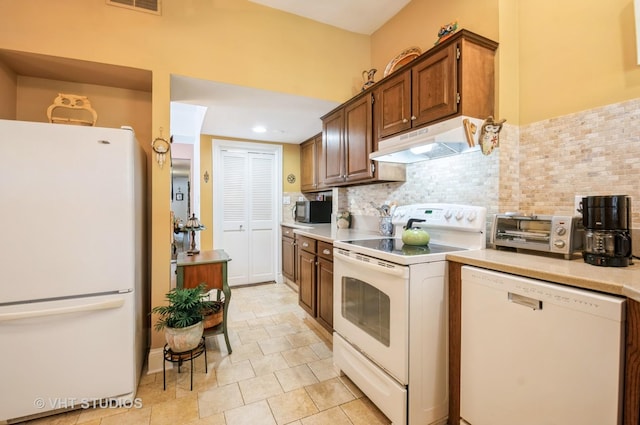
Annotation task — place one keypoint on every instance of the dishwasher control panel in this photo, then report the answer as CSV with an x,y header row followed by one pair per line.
x,y
603,305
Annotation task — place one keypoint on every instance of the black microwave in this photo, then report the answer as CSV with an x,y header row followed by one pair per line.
x,y
313,211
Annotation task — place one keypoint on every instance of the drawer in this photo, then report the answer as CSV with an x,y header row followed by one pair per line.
x,y
325,250
306,244
287,231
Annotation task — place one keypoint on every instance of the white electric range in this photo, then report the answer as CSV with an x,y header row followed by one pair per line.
x,y
391,315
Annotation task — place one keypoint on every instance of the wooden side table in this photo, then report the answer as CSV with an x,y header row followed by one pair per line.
x,y
209,267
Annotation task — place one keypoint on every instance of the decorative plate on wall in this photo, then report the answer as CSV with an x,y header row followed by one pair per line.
x,y
406,56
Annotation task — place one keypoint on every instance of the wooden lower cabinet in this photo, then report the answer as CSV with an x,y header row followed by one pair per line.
x,y
307,281
315,279
324,280
288,253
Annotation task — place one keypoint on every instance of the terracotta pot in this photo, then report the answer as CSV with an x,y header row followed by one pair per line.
x,y
184,339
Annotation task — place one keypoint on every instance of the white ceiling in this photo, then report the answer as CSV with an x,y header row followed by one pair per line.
x,y
361,16
232,111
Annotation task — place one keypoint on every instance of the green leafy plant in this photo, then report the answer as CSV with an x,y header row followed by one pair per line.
x,y
186,307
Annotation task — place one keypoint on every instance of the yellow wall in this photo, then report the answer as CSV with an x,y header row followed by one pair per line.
x,y
115,107
290,165
206,190
575,55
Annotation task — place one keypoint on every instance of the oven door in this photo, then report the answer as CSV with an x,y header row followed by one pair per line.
x,y
371,299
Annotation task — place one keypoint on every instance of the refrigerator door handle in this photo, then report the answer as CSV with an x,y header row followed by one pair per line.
x,y
104,305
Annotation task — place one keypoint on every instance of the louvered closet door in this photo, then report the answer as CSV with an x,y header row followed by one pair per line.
x,y
261,217
248,223
235,210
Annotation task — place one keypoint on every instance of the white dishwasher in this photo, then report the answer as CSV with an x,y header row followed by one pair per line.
x,y
535,353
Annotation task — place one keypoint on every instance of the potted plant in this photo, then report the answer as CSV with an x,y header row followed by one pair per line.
x,y
182,317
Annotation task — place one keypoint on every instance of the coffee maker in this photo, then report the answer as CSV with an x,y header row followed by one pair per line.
x,y
607,235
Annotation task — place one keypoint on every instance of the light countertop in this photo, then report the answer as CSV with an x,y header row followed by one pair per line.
x,y
329,233
623,281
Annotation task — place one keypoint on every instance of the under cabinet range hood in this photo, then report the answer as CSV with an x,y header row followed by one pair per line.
x,y
451,137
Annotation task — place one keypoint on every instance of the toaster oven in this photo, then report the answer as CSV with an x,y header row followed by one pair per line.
x,y
559,235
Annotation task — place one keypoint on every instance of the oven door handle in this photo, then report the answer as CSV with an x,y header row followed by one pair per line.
x,y
395,271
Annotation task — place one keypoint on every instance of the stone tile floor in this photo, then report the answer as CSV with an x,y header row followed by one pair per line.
x,y
280,372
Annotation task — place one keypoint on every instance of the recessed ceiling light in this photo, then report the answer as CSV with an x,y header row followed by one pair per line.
x,y
259,129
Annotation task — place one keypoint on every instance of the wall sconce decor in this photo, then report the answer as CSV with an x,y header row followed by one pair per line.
x,y
193,225
206,177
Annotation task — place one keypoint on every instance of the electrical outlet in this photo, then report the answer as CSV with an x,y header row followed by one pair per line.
x,y
300,198
286,200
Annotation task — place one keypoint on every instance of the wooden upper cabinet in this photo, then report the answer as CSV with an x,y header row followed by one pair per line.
x,y
434,87
332,158
392,107
310,163
357,140
347,140
454,78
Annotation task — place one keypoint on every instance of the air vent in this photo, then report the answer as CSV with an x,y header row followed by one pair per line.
x,y
151,6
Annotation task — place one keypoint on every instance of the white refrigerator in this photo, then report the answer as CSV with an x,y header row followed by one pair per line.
x,y
73,267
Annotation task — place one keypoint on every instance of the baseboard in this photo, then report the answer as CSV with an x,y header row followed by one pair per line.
x,y
291,284
155,360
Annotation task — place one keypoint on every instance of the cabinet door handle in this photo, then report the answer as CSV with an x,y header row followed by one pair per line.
x,y
404,120
306,245
326,251
413,117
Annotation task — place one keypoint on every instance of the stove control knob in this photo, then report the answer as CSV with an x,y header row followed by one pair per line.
x,y
448,214
561,231
558,243
459,215
471,215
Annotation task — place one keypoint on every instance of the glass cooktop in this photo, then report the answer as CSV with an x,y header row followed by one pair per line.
x,y
395,246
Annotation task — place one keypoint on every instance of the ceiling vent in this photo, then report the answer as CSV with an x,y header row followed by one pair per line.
x,y
151,6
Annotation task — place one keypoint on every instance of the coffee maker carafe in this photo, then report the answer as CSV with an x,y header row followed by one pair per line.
x,y
607,236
